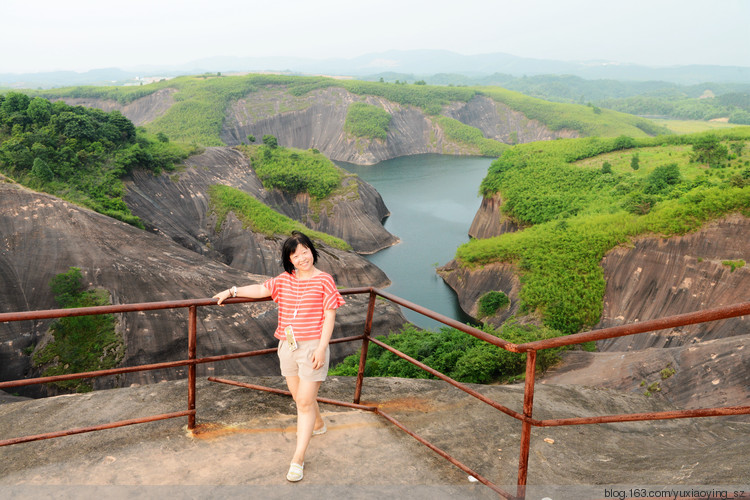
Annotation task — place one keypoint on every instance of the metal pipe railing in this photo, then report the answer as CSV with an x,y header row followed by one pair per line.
x,y
530,349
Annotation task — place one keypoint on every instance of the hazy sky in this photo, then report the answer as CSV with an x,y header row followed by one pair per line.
x,y
44,35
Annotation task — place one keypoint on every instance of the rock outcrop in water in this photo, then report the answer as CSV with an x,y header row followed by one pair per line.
x,y
42,236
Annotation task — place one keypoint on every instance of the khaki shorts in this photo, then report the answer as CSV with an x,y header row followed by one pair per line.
x,y
298,363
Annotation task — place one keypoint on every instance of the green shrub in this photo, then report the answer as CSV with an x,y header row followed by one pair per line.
x,y
294,171
490,302
452,352
259,217
80,343
365,120
733,264
471,136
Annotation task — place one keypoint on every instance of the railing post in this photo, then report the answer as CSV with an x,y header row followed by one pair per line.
x,y
365,345
192,323
528,408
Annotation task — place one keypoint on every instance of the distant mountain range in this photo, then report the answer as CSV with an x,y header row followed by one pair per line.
x,y
420,63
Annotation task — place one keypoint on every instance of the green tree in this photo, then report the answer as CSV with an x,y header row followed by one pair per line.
x,y
606,168
635,162
39,110
662,179
251,139
41,170
15,102
67,287
709,150
270,141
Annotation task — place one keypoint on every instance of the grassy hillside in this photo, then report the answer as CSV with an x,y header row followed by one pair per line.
x,y
579,198
201,103
259,217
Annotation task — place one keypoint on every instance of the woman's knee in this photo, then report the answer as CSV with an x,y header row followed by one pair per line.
x,y
305,403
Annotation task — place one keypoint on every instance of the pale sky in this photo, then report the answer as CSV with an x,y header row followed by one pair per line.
x,y
79,35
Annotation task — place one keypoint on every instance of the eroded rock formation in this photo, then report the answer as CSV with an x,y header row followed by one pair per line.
x,y
471,284
42,236
141,111
693,366
177,205
498,121
316,120
489,221
697,365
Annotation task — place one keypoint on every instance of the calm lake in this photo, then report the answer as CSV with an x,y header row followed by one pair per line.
x,y
432,200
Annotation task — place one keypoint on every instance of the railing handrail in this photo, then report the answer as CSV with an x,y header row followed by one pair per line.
x,y
529,348
139,306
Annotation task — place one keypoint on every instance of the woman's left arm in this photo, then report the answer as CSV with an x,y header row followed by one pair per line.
x,y
319,355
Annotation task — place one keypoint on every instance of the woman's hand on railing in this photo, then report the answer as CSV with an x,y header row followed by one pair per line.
x,y
222,296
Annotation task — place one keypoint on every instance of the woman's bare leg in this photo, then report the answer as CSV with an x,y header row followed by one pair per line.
x,y
305,396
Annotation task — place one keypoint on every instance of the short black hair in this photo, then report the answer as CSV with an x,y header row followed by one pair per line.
x,y
290,246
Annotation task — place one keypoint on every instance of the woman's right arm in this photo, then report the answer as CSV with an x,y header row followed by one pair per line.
x,y
248,291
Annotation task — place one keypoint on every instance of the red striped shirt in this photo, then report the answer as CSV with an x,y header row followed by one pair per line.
x,y
302,303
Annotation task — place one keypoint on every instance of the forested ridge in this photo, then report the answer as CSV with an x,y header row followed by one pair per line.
x,y
78,154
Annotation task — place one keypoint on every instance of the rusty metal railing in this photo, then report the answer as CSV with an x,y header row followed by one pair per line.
x,y
530,349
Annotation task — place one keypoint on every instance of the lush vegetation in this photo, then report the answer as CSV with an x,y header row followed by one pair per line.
x,y
260,217
76,153
491,302
472,136
81,343
452,352
366,120
589,120
574,213
293,170
735,107
703,101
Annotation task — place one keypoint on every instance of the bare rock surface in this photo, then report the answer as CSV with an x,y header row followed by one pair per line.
x,y
656,278
177,205
141,111
659,277
42,236
471,284
489,221
316,120
245,438
498,121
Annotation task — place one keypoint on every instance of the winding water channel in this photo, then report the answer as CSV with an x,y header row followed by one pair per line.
x,y
432,200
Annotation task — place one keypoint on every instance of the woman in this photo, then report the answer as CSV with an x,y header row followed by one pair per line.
x,y
307,298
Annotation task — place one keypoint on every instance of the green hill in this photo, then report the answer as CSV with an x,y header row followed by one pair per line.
x,y
577,199
201,103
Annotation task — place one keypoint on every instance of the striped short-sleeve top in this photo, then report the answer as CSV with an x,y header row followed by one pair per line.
x,y
302,303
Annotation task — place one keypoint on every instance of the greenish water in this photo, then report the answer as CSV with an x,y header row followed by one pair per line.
x,y
432,200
